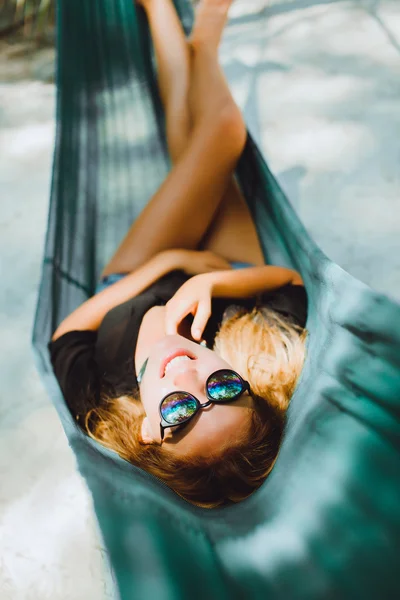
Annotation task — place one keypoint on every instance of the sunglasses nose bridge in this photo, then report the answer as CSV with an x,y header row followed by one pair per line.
x,y
205,404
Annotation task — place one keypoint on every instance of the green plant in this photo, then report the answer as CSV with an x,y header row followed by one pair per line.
x,y
33,16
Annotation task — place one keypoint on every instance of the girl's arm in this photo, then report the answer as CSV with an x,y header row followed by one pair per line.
x,y
194,296
90,314
245,283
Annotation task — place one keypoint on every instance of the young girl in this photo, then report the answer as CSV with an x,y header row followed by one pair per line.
x,y
185,359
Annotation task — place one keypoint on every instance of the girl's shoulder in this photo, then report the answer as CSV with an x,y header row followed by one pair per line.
x,y
72,359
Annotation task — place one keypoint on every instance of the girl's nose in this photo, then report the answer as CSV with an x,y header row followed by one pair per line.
x,y
189,381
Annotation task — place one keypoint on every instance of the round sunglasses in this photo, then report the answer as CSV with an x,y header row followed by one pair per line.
x,y
177,408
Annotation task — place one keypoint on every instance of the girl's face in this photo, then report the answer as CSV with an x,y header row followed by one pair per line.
x,y
215,427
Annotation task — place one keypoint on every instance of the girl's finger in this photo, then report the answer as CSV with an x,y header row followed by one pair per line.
x,y
171,322
171,327
175,316
202,315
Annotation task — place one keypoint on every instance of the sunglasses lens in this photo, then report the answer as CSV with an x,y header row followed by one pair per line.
x,y
224,385
177,408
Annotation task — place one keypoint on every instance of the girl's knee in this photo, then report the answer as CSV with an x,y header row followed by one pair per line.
x,y
232,129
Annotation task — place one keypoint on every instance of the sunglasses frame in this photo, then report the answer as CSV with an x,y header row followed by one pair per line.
x,y
165,425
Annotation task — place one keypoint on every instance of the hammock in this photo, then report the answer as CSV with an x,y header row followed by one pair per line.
x,y
326,523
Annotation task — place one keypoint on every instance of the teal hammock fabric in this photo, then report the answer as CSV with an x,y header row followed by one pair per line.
x,y
326,523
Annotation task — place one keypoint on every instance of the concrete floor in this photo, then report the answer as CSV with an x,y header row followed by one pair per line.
x,y
320,86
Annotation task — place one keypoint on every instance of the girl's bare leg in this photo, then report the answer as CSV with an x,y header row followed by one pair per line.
x,y
232,233
184,217
180,212
173,58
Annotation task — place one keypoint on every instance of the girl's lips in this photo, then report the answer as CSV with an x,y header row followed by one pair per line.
x,y
172,355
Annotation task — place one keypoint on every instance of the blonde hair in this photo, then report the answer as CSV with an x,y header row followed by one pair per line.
x,y
267,351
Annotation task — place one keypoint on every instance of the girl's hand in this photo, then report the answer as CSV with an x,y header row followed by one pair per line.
x,y
193,297
195,262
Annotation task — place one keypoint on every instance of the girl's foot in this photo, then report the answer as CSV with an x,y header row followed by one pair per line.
x,y
211,17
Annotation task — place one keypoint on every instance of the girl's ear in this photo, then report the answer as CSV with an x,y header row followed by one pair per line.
x,y
145,433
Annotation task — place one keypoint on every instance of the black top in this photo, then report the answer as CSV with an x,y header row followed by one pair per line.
x,y
88,364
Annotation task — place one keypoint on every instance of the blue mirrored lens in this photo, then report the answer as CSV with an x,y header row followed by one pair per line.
x,y
224,385
177,408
